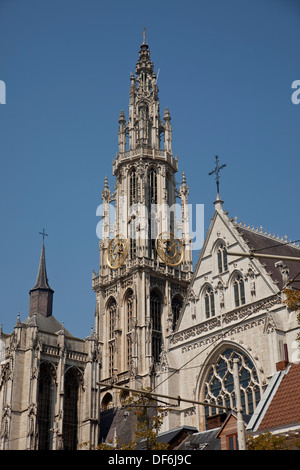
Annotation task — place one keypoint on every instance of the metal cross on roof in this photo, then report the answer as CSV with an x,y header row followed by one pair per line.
x,y
44,234
217,170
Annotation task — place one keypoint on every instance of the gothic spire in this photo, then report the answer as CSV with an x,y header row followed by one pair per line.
x,y
41,294
42,280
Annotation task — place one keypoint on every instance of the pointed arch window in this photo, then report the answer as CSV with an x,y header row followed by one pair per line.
x,y
176,309
152,187
129,351
209,300
45,406
219,383
155,315
133,187
152,201
129,309
222,258
239,291
112,317
111,353
70,419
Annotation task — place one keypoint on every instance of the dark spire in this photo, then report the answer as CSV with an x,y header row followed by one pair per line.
x,y
42,280
41,295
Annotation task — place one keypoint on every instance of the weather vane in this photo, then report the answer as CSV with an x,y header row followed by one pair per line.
x,y
217,170
44,234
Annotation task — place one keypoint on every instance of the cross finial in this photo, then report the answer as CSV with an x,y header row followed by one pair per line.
x,y
44,234
217,170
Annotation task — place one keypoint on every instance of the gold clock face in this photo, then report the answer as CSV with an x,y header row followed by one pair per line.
x,y
169,249
117,251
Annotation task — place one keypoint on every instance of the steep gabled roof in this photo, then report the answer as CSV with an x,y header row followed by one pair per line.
x,y
284,408
258,241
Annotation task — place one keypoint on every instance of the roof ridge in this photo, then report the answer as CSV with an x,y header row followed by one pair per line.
x,y
260,231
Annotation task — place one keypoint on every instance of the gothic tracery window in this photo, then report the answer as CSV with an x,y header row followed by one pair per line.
x,y
222,258
239,291
152,186
152,201
209,301
45,405
129,309
176,308
155,315
112,315
219,383
129,314
133,187
70,417
112,319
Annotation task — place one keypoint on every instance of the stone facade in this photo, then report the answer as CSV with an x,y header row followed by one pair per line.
x,y
233,306
49,392
158,323
231,309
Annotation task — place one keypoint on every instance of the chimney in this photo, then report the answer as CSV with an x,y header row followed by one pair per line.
x,y
215,421
282,365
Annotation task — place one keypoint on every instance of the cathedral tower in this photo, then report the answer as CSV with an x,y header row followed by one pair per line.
x,y
145,247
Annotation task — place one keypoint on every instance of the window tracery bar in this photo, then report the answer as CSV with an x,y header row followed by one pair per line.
x,y
219,384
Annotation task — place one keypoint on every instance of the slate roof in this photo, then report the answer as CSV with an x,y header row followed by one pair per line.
x,y
260,242
47,324
205,440
284,408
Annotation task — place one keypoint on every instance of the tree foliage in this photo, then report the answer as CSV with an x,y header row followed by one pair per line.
x,y
149,420
268,441
292,300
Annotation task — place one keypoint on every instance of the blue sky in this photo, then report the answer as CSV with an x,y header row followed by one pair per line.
x,y
225,73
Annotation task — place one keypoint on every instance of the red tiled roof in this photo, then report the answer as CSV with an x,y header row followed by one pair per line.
x,y
284,408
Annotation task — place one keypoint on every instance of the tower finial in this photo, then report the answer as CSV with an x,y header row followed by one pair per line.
x,y
217,170
43,234
105,183
144,35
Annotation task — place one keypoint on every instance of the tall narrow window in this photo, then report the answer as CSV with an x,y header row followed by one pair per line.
x,y
222,259
132,229
209,300
239,291
133,187
112,314
129,308
176,308
129,353
70,419
155,315
152,201
111,349
45,403
152,186
132,201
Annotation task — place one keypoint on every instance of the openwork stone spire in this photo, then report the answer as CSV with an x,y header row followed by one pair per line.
x,y
144,128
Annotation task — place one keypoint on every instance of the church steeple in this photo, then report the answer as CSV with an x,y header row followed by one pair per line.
x,y
144,127
41,295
